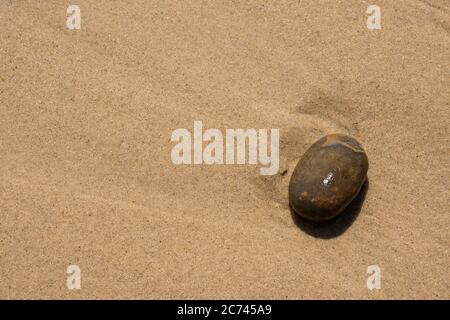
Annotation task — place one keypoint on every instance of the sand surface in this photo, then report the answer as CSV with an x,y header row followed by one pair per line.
x,y
86,118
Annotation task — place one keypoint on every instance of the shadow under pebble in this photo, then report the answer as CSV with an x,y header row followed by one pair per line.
x,y
336,226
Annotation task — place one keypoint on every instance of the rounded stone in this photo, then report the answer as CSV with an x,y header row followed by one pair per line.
x,y
328,177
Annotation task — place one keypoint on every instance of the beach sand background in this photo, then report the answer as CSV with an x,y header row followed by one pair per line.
x,y
86,118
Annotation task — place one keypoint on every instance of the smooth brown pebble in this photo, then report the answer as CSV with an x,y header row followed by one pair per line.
x,y
328,177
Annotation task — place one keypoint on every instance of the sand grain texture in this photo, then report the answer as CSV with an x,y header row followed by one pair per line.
x,y
85,124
